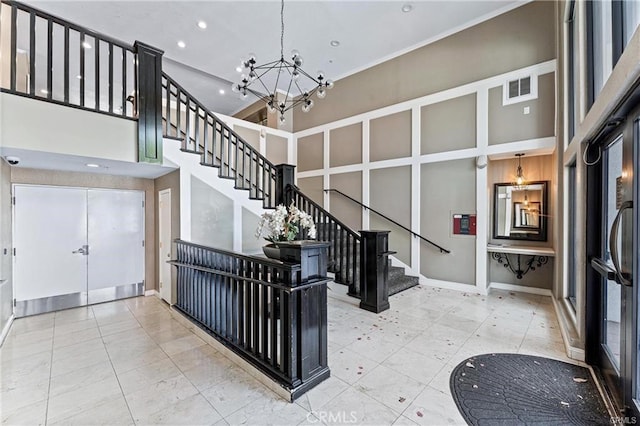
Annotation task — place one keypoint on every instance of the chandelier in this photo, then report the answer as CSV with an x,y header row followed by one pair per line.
x,y
256,80
520,180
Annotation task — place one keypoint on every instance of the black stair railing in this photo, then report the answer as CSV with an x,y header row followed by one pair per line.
x,y
54,60
344,251
201,132
442,249
272,314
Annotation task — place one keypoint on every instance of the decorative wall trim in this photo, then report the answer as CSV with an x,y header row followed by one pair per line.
x,y
480,88
466,89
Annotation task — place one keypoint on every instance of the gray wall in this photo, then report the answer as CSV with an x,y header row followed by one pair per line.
x,y
250,244
508,123
346,145
310,153
390,194
6,275
390,136
312,187
449,125
344,209
447,188
276,149
513,40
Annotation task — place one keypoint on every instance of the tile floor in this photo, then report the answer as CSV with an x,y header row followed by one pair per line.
x,y
131,362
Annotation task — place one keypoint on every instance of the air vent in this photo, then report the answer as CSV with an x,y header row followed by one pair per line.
x,y
520,89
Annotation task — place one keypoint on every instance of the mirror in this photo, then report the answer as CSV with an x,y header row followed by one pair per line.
x,y
520,211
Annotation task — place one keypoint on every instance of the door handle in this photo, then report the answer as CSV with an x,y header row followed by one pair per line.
x,y
84,250
613,246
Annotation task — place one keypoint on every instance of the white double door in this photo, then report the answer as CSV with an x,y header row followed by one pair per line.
x,y
76,246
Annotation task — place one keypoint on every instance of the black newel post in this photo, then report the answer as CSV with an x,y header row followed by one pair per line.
x,y
374,270
148,102
284,176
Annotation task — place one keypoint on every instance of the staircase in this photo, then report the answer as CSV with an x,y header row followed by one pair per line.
x,y
183,118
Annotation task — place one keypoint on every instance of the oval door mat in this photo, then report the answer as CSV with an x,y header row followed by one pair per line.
x,y
510,389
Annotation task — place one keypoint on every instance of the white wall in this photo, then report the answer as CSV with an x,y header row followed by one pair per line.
x,y
44,126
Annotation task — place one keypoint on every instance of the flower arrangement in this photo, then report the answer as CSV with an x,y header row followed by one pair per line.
x,y
284,224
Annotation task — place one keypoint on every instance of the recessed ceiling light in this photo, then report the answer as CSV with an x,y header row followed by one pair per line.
x,y
202,25
406,8
239,69
181,44
94,165
335,43
221,91
86,45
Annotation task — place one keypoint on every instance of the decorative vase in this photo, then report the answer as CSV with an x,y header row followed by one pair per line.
x,y
272,251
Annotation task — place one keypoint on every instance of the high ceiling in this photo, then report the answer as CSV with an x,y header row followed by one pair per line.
x,y
368,33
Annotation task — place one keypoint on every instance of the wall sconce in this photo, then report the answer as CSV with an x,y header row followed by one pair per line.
x,y
520,180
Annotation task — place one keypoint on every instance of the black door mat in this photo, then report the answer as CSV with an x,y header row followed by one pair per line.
x,y
513,389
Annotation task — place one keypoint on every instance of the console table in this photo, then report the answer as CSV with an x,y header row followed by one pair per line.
x,y
511,257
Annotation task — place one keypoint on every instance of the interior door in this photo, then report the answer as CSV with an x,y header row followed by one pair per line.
x,y
115,234
164,246
50,240
76,246
614,279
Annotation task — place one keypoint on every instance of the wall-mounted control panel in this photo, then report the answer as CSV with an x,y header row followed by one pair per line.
x,y
464,224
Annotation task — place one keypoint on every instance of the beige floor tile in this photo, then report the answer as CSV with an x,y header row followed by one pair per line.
x,y
187,360
268,410
67,364
79,400
150,400
110,411
356,407
147,375
194,410
394,390
32,414
81,377
350,366
322,394
182,344
231,395
413,364
432,407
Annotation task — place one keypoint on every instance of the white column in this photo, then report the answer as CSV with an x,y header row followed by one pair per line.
x,y
365,174
482,192
415,187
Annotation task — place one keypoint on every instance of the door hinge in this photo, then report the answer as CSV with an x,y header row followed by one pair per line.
x,y
14,303
13,200
14,251
142,243
143,204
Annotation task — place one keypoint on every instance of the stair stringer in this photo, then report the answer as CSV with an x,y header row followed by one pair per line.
x,y
424,280
189,165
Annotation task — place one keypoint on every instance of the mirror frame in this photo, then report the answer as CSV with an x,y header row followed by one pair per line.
x,y
542,235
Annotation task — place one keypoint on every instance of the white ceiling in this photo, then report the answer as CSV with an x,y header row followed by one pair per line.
x,y
369,32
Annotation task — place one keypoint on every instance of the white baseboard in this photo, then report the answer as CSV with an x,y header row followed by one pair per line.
x,y
450,285
521,289
572,351
152,293
5,330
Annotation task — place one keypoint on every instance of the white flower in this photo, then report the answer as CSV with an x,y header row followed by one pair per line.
x,y
284,224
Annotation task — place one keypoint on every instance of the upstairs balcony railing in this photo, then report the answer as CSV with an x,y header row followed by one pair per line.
x,y
51,59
